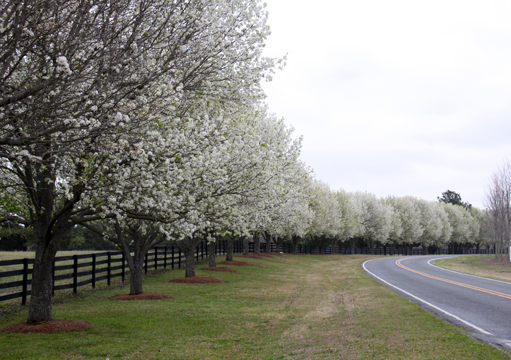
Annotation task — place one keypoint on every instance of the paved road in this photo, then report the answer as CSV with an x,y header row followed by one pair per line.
x,y
480,305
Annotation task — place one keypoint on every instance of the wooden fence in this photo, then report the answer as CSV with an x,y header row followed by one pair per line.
x,y
72,272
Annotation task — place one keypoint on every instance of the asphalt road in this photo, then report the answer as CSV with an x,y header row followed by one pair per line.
x,y
482,306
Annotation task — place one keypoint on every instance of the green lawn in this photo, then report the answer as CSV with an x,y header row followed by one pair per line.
x,y
480,265
290,307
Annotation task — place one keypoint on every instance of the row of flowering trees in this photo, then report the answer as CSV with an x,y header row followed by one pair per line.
x,y
392,221
143,121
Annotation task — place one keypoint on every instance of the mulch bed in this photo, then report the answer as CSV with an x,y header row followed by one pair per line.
x,y
276,253
219,268
236,263
198,280
251,256
494,261
52,326
143,296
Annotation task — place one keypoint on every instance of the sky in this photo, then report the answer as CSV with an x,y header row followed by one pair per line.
x,y
396,97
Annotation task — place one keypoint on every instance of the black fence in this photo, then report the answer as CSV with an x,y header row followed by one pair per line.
x,y
72,272
385,250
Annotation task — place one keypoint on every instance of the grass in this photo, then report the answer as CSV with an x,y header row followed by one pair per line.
x,y
291,307
480,265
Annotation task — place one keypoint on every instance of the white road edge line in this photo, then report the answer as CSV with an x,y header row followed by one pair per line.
x,y
425,302
457,272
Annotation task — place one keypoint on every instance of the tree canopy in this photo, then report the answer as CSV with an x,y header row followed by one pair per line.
x,y
452,197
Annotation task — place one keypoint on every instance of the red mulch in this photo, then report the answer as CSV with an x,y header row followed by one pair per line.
x,y
494,261
252,256
198,280
143,296
276,253
219,268
236,263
52,326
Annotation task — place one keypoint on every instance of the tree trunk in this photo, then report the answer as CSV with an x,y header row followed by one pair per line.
x,y
187,247
257,244
370,244
42,283
268,243
294,241
245,245
279,242
141,245
229,251
190,263
211,253
136,277
40,307
352,245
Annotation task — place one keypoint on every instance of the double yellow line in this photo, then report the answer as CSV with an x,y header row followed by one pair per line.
x,y
496,293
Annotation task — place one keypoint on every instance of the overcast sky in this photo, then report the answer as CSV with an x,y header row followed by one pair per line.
x,y
396,97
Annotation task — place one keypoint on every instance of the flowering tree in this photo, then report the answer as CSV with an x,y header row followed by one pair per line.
x,y
326,221
291,216
446,229
348,217
430,222
408,212
375,219
460,224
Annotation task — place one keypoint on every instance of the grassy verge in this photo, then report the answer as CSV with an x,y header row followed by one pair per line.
x,y
480,265
292,307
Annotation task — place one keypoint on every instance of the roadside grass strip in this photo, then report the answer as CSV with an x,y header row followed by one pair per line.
x,y
479,265
289,307
472,287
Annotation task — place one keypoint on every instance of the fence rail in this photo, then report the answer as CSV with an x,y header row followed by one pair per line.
x,y
72,272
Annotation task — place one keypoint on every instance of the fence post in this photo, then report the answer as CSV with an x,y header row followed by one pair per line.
x,y
179,260
172,262
75,273
53,278
123,272
155,258
197,253
93,271
25,282
165,257
145,263
109,268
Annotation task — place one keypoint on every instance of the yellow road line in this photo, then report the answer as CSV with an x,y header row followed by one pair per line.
x,y
492,292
